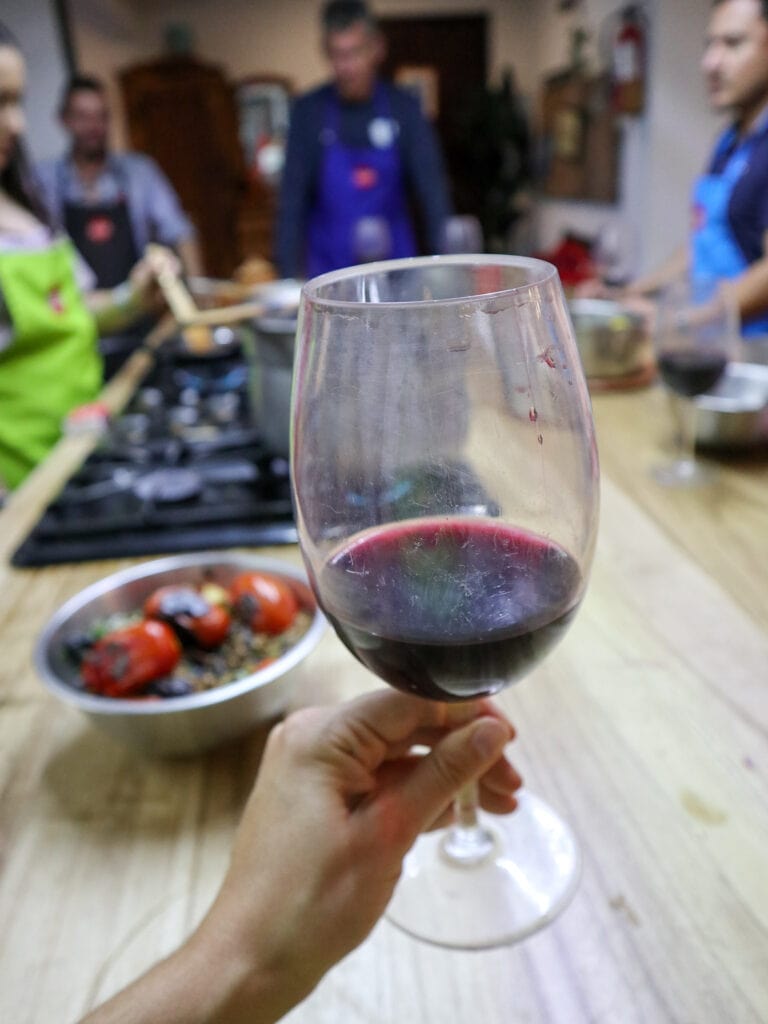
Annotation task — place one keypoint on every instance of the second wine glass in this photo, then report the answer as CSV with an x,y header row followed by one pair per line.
x,y
446,490
696,336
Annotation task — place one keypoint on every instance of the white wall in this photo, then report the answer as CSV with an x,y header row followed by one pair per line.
x,y
662,150
33,24
281,36
109,35
680,127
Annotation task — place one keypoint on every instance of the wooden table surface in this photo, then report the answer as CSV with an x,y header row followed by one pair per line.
x,y
647,729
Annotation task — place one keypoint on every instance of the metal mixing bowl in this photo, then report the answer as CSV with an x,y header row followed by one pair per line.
x,y
612,340
177,725
735,413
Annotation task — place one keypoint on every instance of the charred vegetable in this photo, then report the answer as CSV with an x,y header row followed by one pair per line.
x,y
192,615
123,662
265,603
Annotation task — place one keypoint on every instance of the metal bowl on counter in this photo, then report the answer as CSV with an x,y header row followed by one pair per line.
x,y
612,339
735,413
186,725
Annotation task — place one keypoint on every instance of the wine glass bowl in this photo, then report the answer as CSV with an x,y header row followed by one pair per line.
x,y
695,338
446,490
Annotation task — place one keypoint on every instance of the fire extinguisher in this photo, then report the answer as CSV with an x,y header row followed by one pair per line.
x,y
628,62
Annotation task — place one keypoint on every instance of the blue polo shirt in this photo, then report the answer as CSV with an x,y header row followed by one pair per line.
x,y
748,206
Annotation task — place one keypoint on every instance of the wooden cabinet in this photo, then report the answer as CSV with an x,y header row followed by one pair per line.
x,y
182,112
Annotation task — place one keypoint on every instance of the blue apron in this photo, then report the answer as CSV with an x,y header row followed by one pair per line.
x,y
356,182
715,252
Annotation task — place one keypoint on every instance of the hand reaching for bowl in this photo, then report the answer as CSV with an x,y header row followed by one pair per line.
x,y
339,800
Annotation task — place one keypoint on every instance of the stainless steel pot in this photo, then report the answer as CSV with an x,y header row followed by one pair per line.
x,y
612,340
269,351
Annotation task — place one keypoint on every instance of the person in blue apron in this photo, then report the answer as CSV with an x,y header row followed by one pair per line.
x,y
718,249
729,209
361,159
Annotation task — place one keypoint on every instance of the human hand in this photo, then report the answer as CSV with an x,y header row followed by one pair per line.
x,y
594,288
338,802
143,278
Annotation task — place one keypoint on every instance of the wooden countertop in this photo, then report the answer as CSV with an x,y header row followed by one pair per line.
x,y
647,728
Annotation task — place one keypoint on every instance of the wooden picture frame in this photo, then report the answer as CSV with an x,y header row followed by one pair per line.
x,y
580,138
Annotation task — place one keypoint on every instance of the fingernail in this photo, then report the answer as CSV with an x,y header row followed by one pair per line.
x,y
489,737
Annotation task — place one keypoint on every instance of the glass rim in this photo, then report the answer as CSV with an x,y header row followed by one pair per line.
x,y
311,288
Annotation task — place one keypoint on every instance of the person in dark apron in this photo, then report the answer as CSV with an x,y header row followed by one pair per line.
x,y
102,231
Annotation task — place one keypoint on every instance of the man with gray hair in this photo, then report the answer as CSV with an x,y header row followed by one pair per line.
x,y
360,155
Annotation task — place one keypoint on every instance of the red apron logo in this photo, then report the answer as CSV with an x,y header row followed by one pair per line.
x,y
365,178
698,216
99,229
55,300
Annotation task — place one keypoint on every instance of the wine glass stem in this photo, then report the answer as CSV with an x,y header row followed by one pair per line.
x,y
467,842
684,412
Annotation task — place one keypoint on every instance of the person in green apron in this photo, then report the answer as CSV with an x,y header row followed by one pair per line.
x,y
49,359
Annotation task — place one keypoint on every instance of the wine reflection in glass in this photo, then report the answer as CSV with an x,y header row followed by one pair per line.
x,y
446,491
696,335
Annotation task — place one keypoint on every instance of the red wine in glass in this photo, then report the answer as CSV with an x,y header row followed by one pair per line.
x,y
695,337
450,608
692,372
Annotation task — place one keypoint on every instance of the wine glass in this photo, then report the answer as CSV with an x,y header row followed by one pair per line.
x,y
371,239
445,484
695,335
614,252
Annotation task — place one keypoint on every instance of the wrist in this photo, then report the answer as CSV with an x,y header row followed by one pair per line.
x,y
244,982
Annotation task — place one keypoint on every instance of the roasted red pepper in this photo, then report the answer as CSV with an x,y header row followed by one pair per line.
x,y
193,617
122,663
265,602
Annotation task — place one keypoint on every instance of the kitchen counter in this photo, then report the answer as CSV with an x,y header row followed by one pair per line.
x,y
647,729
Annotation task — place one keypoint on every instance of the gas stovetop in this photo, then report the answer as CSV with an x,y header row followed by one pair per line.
x,y
182,469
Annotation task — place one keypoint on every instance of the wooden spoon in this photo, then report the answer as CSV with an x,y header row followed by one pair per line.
x,y
188,316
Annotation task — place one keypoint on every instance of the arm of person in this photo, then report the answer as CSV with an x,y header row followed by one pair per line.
x,y
117,308
296,186
750,289
171,226
425,171
649,284
642,287
304,889
191,258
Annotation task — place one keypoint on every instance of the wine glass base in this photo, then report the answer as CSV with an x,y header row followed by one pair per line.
x,y
683,473
526,880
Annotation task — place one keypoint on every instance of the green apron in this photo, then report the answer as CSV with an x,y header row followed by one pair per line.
x,y
52,363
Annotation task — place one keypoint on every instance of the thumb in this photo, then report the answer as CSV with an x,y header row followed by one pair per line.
x,y
461,757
